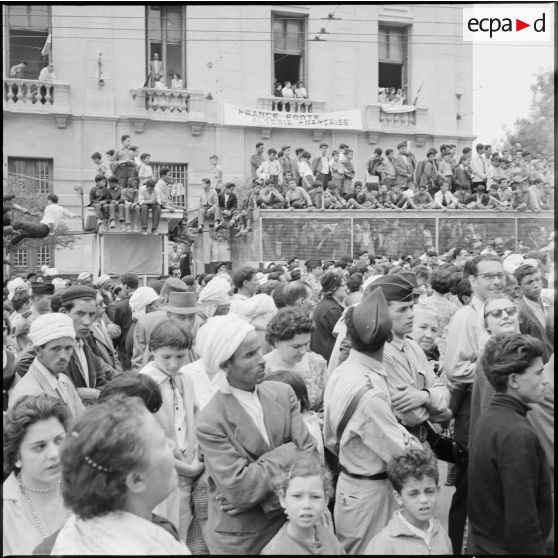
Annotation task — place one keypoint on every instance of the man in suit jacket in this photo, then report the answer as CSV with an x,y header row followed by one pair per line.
x,y
249,434
228,204
534,313
52,336
404,167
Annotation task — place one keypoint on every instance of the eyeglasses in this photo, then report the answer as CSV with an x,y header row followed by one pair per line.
x,y
510,311
491,276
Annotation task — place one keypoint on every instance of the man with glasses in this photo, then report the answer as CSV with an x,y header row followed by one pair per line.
x,y
487,278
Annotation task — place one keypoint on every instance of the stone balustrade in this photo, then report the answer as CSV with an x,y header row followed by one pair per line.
x,y
284,104
32,95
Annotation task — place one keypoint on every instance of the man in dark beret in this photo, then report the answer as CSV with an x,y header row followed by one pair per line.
x,y
87,370
327,312
364,500
41,293
417,394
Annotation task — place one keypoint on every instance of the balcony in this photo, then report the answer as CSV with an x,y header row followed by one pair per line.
x,y
37,97
396,119
176,105
283,104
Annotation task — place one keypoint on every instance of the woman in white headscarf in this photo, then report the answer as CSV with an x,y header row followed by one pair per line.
x,y
142,301
215,297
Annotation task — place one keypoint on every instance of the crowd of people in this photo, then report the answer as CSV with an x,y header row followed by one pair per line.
x,y
394,180
297,409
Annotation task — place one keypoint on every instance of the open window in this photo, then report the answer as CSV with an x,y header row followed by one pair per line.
x,y
28,38
393,59
289,49
166,43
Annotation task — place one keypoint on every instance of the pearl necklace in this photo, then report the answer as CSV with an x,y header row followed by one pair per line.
x,y
31,489
24,490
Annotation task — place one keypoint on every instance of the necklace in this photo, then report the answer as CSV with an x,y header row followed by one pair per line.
x,y
31,489
34,513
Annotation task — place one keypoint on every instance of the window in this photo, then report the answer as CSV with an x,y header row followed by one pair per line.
x,y
393,50
43,256
289,49
33,175
166,42
28,31
179,184
20,257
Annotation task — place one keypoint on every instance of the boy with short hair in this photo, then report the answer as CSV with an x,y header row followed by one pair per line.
x,y
111,154
305,171
145,171
413,530
347,184
149,198
100,167
337,168
271,170
114,192
129,201
317,195
216,175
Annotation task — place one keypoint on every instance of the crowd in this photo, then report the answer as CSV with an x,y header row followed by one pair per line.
x,y
394,180
300,409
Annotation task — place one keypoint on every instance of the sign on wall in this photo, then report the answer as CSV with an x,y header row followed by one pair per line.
x,y
236,115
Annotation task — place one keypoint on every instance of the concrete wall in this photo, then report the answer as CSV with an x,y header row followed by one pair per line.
x,y
342,71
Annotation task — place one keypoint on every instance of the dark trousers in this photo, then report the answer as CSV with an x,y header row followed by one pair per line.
x,y
458,508
155,214
324,179
28,230
123,172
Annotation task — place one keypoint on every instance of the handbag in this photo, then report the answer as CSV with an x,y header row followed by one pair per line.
x,y
445,448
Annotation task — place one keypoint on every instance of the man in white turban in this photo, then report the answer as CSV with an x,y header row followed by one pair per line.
x,y
142,298
53,337
15,285
215,295
249,433
85,278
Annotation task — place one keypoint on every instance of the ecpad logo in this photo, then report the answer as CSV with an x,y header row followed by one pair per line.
x,y
506,23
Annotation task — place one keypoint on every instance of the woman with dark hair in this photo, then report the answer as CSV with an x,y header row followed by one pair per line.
x,y
134,385
117,465
34,429
289,333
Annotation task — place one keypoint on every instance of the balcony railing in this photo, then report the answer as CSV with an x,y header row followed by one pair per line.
x,y
379,119
398,120
36,96
167,100
284,104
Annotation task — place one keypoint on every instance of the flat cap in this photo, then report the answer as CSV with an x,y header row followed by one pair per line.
x,y
399,287
39,288
371,319
313,263
289,262
77,291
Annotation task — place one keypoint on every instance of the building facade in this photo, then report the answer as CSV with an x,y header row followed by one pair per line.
x,y
106,59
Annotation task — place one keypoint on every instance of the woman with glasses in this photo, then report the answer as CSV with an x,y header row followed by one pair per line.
x,y
499,315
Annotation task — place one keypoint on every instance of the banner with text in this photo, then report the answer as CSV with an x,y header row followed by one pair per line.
x,y
235,115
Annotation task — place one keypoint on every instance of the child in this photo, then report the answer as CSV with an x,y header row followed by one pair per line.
x,y
169,343
145,170
216,175
113,164
303,495
347,184
305,171
148,198
311,418
129,199
317,195
413,530
337,168
100,167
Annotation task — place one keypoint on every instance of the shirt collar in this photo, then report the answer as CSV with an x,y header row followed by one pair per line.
x,y
398,343
372,364
415,530
225,387
476,303
47,374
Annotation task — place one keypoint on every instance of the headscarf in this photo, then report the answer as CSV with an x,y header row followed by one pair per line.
x,y
102,279
84,276
219,338
59,284
214,294
13,285
140,300
48,327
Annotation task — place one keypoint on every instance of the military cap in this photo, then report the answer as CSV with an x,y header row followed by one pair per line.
x,y
371,319
399,287
313,263
331,281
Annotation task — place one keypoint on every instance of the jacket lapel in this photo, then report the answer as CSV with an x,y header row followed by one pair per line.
x,y
274,415
245,430
38,377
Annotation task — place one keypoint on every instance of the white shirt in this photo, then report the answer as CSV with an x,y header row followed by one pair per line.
x,y
80,353
250,402
54,214
450,198
426,535
45,75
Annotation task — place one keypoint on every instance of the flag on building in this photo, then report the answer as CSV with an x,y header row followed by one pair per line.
x,y
47,47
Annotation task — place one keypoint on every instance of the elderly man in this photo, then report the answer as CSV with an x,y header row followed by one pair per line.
x,y
487,277
52,336
361,428
249,434
417,394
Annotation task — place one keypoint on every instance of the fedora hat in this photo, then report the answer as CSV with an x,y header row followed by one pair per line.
x,y
182,303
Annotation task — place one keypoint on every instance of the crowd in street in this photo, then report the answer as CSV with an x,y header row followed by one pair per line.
x,y
296,409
